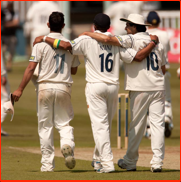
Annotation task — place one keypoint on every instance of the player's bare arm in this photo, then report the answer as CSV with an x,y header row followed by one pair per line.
x,y
111,40
142,54
62,45
103,38
163,69
26,78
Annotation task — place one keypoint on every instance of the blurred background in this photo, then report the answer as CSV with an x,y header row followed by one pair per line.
x,y
79,16
23,21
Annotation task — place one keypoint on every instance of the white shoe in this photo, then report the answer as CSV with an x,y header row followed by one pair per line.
x,y
96,165
148,133
103,170
69,156
47,170
155,170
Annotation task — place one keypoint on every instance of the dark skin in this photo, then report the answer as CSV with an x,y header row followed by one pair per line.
x,y
67,46
29,73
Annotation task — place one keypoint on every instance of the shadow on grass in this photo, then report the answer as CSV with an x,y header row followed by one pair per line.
x,y
175,137
148,170
16,135
117,171
84,171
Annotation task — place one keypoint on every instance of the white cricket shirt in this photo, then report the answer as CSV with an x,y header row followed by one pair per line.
x,y
102,61
146,75
163,38
54,64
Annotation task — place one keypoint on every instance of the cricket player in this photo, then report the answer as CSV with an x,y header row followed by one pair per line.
x,y
154,19
9,26
5,92
54,94
37,17
102,63
145,81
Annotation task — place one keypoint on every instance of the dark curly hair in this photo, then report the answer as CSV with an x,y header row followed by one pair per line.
x,y
56,21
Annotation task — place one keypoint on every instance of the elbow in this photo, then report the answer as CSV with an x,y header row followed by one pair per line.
x,y
138,58
30,69
107,40
66,46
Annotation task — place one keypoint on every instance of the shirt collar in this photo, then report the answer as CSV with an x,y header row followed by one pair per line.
x,y
106,33
142,33
55,34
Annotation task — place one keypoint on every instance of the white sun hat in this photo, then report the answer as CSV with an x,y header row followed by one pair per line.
x,y
136,19
8,107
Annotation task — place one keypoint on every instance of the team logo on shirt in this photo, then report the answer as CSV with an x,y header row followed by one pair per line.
x,y
72,42
32,58
120,39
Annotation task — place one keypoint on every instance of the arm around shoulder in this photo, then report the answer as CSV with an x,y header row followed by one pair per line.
x,y
163,69
143,53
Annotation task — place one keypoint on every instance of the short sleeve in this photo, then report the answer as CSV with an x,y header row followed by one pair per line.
x,y
127,54
125,41
79,45
36,54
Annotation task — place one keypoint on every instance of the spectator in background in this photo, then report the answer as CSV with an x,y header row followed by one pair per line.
x,y
122,9
5,92
10,23
37,18
154,19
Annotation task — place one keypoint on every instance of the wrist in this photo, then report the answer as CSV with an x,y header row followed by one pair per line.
x,y
20,89
154,42
56,43
44,38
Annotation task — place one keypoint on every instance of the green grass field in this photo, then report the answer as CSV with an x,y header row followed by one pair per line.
x,y
19,165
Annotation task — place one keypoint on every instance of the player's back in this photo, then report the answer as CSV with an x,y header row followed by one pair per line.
x,y
54,64
102,61
146,75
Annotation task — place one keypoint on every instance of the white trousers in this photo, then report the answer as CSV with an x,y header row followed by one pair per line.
x,y
5,93
102,102
140,103
168,104
55,109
